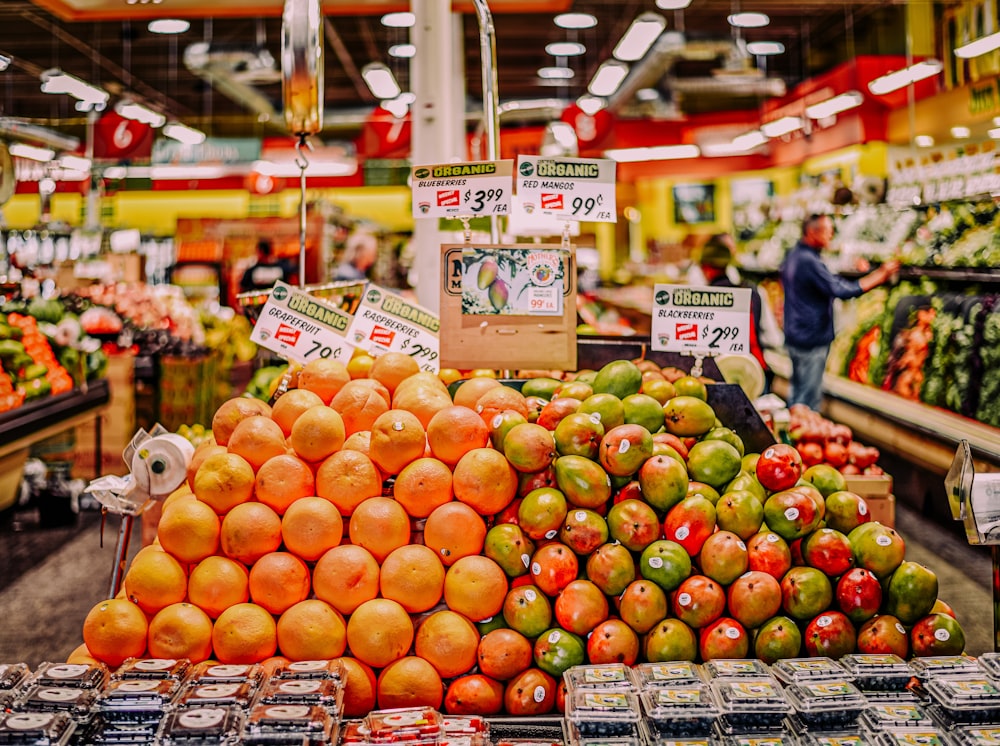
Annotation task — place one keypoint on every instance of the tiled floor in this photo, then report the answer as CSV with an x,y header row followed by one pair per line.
x,y
49,579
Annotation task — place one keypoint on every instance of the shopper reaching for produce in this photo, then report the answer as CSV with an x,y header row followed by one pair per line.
x,y
810,288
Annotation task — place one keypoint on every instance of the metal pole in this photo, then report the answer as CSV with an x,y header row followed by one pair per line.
x,y
121,555
995,554
491,107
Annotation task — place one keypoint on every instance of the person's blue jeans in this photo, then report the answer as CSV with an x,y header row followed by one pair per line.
x,y
808,364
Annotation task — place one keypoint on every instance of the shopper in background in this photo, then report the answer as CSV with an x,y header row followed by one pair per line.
x,y
715,258
267,270
810,288
359,257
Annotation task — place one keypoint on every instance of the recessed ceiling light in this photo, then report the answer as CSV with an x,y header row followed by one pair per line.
x,y
609,76
555,73
575,20
961,133
994,133
672,4
399,20
923,141
381,82
639,37
168,26
402,50
763,48
565,49
647,94
749,20
590,105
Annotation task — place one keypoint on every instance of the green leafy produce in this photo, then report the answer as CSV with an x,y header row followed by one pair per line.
x,y
49,311
988,410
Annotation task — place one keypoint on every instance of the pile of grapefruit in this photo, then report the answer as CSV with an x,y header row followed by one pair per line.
x,y
464,550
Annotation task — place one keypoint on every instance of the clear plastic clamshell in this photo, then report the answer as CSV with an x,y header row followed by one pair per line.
x,y
71,675
826,704
137,699
464,725
680,710
354,731
729,668
834,738
202,725
153,668
887,716
965,699
36,728
76,703
792,670
912,737
318,669
605,676
990,663
404,724
750,703
943,665
228,673
779,738
572,736
217,694
877,671
976,735
121,734
603,713
12,675
327,693
301,725
651,675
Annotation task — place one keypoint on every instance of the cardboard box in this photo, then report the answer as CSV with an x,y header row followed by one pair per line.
x,y
870,486
883,509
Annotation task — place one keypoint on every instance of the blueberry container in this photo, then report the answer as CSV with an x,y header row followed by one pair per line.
x,y
201,726
884,716
795,670
653,675
892,697
680,710
909,737
12,675
153,668
212,694
120,734
976,735
651,737
943,665
77,703
328,693
322,669
826,704
780,737
877,671
573,736
832,738
729,668
604,676
227,673
966,699
36,728
136,700
750,703
990,663
289,725
603,713
411,724
71,675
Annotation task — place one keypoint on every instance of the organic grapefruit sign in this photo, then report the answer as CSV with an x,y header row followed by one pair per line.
x,y
704,320
301,328
388,322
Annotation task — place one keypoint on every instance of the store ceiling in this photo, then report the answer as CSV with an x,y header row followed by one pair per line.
x,y
106,42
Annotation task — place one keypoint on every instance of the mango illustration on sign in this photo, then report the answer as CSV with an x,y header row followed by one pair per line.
x,y
508,281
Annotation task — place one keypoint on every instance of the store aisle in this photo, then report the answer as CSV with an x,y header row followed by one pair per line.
x,y
43,609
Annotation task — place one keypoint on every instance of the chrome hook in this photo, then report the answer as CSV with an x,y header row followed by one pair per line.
x,y
300,158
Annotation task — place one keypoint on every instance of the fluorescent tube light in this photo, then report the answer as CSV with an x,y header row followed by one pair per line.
x,y
672,4
657,153
979,46
565,49
782,126
56,81
994,133
636,41
834,105
647,94
168,26
901,78
140,113
923,141
74,162
399,20
749,20
20,150
399,107
402,50
961,133
765,48
575,20
590,105
555,73
380,80
184,134
608,78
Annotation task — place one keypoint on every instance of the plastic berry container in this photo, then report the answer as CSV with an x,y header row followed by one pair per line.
x,y
227,673
777,738
71,675
12,675
975,735
966,699
750,703
572,736
603,713
922,736
136,700
320,669
877,671
328,693
353,731
527,742
202,725
212,694
797,670
990,664
153,668
832,738
943,665
410,724
886,716
36,728
76,703
464,725
289,724
653,675
680,710
736,667
605,676
826,704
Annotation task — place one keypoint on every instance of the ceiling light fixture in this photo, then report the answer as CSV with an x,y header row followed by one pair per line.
x,y
979,46
381,82
672,4
835,105
56,81
139,113
555,73
647,94
636,41
575,20
783,126
168,26
20,150
565,49
74,163
4,62
658,153
923,141
994,133
765,48
961,133
184,134
399,107
749,20
590,105
399,20
901,78
402,50
609,76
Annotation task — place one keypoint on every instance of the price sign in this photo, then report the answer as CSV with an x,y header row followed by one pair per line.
x,y
513,281
300,327
703,320
450,190
387,322
568,188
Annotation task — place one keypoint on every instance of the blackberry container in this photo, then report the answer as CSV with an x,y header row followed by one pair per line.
x,y
12,675
71,675
36,728
605,676
322,669
121,734
944,665
603,713
227,673
680,710
212,694
572,736
153,668
884,716
328,693
736,667
77,703
877,671
798,670
826,704
291,725
976,735
965,699
750,704
404,724
136,701
653,675
921,736
202,726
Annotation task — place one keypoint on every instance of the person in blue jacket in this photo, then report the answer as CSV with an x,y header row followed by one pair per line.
x,y
810,288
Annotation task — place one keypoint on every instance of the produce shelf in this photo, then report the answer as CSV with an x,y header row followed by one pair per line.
x,y
26,425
